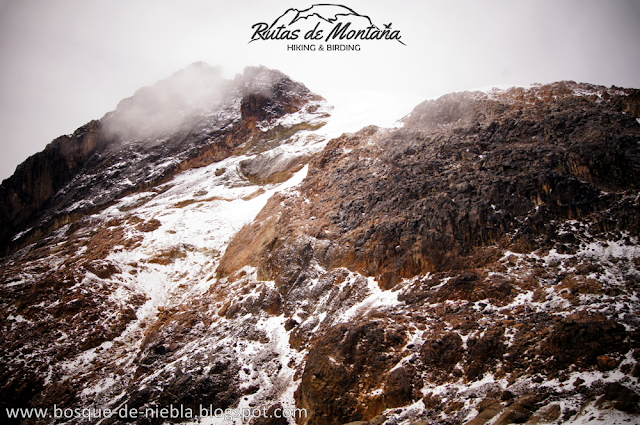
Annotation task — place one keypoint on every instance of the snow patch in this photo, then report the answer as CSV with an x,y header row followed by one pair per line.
x,y
378,299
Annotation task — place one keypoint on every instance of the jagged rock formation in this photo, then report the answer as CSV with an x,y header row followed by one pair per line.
x,y
479,264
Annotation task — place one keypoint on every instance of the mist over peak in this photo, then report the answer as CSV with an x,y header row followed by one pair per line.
x,y
194,89
258,79
194,93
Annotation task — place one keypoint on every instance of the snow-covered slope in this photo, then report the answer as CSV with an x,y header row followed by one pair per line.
x,y
473,263
154,251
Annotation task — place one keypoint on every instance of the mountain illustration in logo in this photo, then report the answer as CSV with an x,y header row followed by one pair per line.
x,y
326,12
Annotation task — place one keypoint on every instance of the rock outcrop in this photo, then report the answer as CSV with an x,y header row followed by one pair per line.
x,y
480,202
465,172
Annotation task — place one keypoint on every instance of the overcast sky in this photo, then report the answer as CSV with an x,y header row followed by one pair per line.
x,y
65,62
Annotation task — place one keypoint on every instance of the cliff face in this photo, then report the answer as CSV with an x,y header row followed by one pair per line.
x,y
42,175
175,147
480,263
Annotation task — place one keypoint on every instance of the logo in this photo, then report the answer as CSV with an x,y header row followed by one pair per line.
x,y
328,23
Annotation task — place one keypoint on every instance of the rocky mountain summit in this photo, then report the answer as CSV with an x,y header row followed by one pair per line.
x,y
189,120
216,243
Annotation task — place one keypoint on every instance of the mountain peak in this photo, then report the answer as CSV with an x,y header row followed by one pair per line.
x,y
176,123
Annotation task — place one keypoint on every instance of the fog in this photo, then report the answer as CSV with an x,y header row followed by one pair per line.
x,y
152,110
66,62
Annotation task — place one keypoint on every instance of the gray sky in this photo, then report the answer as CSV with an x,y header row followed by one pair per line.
x,y
65,62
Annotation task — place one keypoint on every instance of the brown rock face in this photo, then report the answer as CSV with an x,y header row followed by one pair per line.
x,y
582,342
465,172
480,200
346,366
479,265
